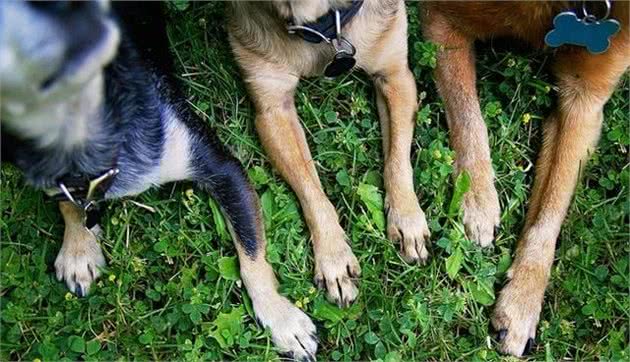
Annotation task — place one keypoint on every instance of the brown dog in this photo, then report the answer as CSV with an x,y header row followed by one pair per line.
x,y
585,83
273,60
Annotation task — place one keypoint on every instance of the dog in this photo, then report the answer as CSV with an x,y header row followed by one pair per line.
x,y
91,111
277,42
585,82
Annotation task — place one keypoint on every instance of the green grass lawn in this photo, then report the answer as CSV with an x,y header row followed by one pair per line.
x,y
171,290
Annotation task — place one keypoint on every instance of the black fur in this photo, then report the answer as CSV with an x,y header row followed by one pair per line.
x,y
129,133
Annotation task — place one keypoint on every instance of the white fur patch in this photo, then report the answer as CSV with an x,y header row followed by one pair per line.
x,y
175,161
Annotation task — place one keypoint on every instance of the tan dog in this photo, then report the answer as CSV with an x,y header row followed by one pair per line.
x,y
571,132
272,61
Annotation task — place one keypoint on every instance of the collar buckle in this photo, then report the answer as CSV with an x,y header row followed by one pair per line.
x,y
94,189
343,59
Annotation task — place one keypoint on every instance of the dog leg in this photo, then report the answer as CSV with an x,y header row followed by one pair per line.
x,y
194,154
570,134
455,78
80,258
396,100
336,267
292,331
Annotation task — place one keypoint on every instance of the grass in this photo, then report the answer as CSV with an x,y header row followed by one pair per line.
x,y
171,292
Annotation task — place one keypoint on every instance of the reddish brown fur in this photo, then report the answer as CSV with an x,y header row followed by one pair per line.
x,y
585,83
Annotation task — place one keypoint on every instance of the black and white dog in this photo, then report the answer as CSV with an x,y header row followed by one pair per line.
x,y
90,111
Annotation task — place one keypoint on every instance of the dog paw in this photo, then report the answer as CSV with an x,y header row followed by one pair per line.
x,y
337,271
482,214
292,331
79,260
516,315
410,229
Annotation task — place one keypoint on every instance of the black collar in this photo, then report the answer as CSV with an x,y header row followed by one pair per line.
x,y
82,189
326,24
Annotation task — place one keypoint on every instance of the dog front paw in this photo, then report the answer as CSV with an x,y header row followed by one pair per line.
x,y
337,270
292,331
517,311
408,226
79,260
482,213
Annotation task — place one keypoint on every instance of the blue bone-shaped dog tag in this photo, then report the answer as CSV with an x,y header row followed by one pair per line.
x,y
594,35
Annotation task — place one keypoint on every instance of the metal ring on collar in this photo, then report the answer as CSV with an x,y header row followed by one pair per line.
x,y
590,17
68,194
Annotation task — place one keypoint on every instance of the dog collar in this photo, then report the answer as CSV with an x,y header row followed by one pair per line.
x,y
326,26
328,29
83,190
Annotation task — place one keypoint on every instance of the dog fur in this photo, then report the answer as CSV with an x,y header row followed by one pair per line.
x,y
127,114
272,63
585,83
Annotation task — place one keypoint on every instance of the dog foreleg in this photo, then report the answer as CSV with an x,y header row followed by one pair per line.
x,y
455,78
80,258
336,267
222,175
396,101
570,134
292,331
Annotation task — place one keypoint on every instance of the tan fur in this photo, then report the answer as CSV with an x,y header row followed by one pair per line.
x,y
80,258
571,132
273,61
302,12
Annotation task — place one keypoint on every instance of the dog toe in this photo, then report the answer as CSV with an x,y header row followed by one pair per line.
x,y
479,227
481,215
411,230
337,272
516,315
423,253
292,331
79,267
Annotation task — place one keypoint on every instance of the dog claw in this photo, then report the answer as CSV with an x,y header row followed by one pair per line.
x,y
353,272
501,335
528,346
481,214
292,331
309,358
337,273
292,356
319,282
516,314
410,230
78,272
